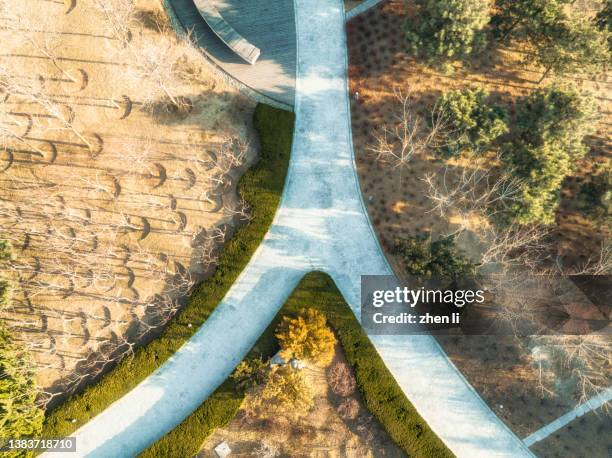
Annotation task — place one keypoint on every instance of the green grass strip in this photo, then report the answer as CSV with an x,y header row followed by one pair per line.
x,y
381,393
261,186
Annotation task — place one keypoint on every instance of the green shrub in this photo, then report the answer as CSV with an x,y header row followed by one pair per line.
x,y
382,395
550,129
285,391
261,186
447,30
424,257
473,123
6,289
249,374
6,250
20,417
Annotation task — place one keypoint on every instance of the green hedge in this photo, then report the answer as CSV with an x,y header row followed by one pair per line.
x,y
381,393
261,186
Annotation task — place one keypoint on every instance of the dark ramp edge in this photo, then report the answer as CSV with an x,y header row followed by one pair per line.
x,y
268,25
226,32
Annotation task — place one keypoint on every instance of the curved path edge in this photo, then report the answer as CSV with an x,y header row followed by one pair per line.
x,y
321,224
248,91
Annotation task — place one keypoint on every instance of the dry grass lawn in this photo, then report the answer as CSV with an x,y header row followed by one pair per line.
x,y
114,208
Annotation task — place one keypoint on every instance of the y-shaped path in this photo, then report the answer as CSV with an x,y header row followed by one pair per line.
x,y
321,225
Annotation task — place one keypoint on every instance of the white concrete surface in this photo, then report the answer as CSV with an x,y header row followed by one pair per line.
x,y
321,225
592,404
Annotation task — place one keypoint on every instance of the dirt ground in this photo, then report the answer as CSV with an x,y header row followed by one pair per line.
x,y
378,64
321,433
498,368
585,437
114,218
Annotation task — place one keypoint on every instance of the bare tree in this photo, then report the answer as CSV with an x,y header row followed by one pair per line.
x,y
408,134
475,198
119,16
37,31
585,361
60,114
599,264
474,191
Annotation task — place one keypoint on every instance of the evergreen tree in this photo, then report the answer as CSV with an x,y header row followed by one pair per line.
x,y
550,129
574,46
446,30
473,123
527,18
422,256
560,40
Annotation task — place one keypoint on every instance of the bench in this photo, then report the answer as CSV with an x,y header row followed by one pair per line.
x,y
226,32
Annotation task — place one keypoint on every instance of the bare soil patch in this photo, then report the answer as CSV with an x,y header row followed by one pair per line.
x,y
587,436
397,204
337,426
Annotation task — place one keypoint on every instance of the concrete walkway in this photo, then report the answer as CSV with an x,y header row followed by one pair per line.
x,y
361,8
321,225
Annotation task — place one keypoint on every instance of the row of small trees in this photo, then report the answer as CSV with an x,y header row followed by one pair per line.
x,y
80,208
559,40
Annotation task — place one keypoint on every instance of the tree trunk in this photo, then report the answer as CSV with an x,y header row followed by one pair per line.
x,y
507,32
545,74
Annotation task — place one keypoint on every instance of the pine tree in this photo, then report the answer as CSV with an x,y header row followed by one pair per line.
x,y
473,123
560,40
423,256
446,30
551,126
